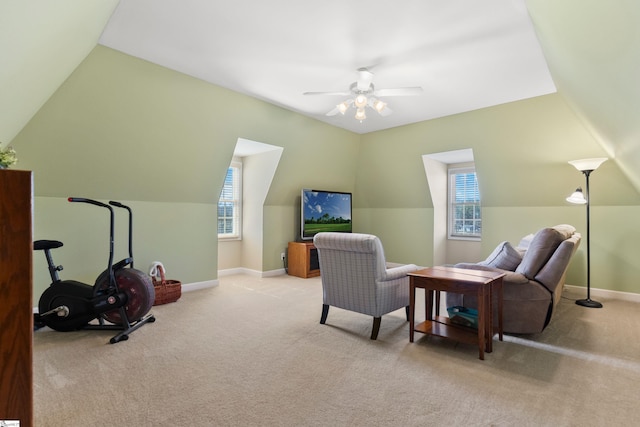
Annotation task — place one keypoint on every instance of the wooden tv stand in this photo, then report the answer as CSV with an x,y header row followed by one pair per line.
x,y
303,260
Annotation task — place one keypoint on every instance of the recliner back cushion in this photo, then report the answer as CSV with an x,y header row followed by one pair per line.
x,y
540,249
565,230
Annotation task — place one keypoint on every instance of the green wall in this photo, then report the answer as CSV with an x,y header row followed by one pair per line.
x,y
122,128
181,235
521,151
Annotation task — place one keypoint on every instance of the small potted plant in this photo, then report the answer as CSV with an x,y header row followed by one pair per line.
x,y
7,157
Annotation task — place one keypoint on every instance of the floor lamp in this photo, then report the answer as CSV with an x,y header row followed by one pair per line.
x,y
586,166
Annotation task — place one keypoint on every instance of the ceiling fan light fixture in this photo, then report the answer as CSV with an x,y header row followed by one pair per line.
x,y
342,107
363,94
378,105
361,100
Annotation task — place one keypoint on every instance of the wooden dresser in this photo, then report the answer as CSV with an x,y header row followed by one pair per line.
x,y
16,296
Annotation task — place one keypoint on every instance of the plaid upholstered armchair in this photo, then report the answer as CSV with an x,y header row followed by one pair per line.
x,y
355,276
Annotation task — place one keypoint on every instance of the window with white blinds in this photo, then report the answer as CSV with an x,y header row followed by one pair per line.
x,y
230,204
465,220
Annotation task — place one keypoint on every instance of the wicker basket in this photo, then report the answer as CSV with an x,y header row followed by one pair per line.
x,y
166,290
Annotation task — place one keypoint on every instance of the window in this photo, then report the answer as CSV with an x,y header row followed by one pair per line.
x,y
230,204
465,221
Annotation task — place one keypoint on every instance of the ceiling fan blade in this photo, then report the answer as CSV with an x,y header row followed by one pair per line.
x,y
365,77
401,91
333,112
328,93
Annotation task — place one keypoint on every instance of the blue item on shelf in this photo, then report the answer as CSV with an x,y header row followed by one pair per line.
x,y
463,316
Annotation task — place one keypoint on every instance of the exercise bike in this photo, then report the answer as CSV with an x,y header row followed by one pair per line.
x,y
120,295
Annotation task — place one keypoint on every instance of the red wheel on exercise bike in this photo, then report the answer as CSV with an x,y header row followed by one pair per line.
x,y
139,290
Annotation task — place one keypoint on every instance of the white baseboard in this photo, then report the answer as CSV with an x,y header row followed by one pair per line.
x,y
605,293
239,270
274,273
188,287
250,272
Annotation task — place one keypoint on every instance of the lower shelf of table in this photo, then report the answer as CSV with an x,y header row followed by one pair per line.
x,y
443,327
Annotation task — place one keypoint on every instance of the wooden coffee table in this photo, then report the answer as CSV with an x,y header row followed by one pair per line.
x,y
481,283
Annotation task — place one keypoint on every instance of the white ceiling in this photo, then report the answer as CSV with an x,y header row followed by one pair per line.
x,y
465,54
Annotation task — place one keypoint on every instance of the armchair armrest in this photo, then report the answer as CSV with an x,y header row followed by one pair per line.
x,y
398,272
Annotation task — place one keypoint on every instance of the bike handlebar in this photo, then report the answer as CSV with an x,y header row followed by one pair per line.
x,y
112,278
120,205
90,201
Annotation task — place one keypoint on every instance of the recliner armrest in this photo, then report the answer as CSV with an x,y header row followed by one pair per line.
x,y
509,276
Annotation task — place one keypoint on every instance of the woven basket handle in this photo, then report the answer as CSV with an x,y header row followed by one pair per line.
x,y
163,279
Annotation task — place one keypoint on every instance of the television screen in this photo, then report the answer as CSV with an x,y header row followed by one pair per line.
x,y
324,211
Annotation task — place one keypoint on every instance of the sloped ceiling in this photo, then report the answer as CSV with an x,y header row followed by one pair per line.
x,y
590,48
41,43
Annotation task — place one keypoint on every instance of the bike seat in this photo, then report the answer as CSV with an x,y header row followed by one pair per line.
x,y
40,245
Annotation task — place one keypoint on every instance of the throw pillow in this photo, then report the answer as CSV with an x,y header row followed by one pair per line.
x,y
540,249
504,256
525,242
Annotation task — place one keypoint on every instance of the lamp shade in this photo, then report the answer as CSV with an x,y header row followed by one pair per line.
x,y
577,197
588,164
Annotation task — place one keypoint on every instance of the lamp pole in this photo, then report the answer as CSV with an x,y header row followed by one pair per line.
x,y
586,166
588,302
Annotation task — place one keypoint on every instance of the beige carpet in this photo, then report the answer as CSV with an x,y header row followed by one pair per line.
x,y
251,352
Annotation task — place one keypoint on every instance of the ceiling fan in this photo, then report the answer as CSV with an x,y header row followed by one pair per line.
x,y
363,94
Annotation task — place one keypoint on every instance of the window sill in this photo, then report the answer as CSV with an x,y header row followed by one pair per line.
x,y
467,238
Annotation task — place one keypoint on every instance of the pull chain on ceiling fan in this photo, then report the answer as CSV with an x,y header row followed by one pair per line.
x,y
363,94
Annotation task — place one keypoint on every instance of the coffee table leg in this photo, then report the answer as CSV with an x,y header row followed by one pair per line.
x,y
500,306
481,321
489,312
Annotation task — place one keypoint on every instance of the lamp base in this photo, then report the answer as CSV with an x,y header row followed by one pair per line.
x,y
589,303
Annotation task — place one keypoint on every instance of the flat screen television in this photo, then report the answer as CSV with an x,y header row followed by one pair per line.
x,y
324,211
